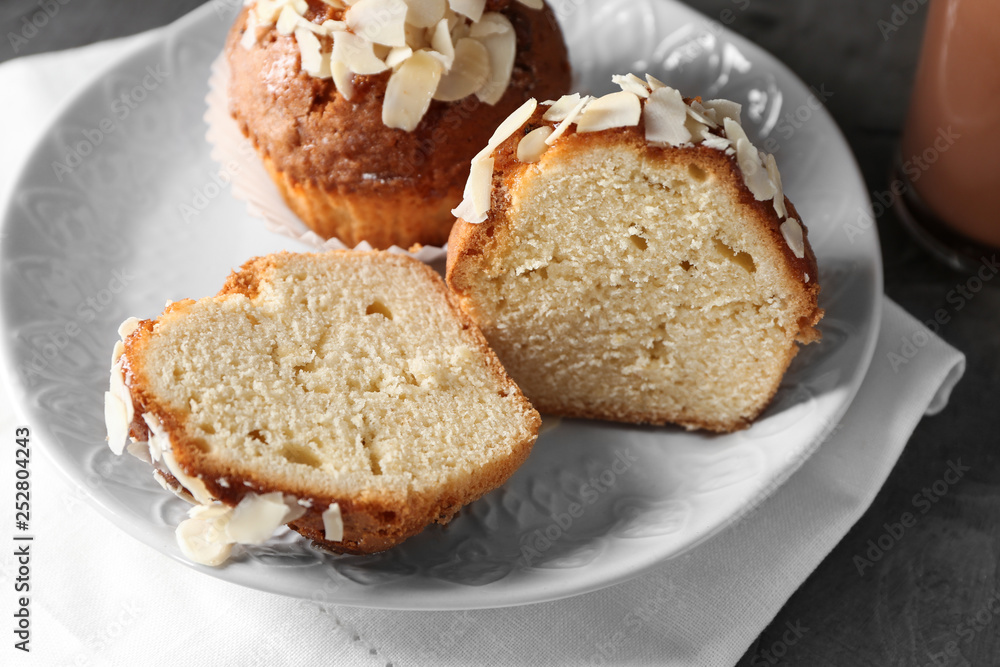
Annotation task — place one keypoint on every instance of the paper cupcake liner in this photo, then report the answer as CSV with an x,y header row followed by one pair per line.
x,y
251,183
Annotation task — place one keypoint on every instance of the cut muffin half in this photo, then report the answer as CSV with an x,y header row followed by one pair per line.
x,y
633,258
343,393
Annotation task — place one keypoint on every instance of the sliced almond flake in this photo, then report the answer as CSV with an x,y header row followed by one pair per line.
x,y
533,4
734,131
559,109
418,38
126,328
614,110
508,127
410,90
425,13
490,24
478,192
442,43
630,83
501,43
333,524
116,422
301,6
754,174
775,176
654,83
379,21
249,38
792,231
471,8
468,74
331,26
699,131
267,11
256,517
665,116
716,142
397,55
313,61
569,119
357,53
724,109
288,20
807,277
532,145
698,112
343,79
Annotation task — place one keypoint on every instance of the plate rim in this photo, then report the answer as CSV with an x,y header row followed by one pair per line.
x,y
136,528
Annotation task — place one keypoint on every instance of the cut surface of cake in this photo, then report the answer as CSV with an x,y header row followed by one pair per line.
x,y
343,393
633,258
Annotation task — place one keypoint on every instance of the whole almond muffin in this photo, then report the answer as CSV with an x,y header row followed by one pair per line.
x,y
366,114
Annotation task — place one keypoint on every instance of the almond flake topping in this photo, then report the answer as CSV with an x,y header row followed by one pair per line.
x,y
532,146
615,110
385,35
792,231
665,116
630,83
559,109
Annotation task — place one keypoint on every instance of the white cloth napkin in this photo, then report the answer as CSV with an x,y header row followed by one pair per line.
x,y
100,598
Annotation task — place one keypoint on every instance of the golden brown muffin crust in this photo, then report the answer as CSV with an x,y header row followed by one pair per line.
x,y
313,134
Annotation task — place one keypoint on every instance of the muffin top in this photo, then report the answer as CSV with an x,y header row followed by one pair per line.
x,y
352,96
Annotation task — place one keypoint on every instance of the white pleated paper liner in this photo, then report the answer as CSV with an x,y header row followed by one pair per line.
x,y
251,183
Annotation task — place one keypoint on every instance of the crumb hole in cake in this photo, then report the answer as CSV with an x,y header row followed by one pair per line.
x,y
379,308
201,445
686,265
308,367
541,272
387,517
489,233
255,435
253,319
373,458
697,173
208,429
301,455
741,259
638,242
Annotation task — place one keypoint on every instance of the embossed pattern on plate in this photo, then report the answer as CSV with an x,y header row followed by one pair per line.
x,y
108,224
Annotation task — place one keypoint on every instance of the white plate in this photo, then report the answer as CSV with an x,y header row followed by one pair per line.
x,y
110,239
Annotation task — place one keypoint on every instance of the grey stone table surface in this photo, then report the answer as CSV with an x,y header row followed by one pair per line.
x,y
927,600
